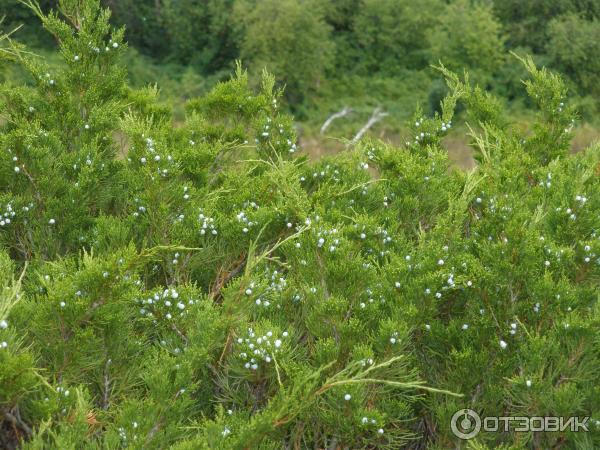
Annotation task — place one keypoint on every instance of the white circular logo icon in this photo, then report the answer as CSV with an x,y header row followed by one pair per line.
x,y
465,424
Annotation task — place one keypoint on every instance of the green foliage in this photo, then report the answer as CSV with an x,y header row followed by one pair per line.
x,y
204,286
328,54
393,34
280,48
190,32
56,142
19,15
526,22
468,36
573,49
212,49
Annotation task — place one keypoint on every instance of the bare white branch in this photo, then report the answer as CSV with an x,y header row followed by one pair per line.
x,y
377,115
337,115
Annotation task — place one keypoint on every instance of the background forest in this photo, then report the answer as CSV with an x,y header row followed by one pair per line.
x,y
360,54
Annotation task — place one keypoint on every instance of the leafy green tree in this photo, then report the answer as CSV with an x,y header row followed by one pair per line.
x,y
190,32
290,38
199,33
340,13
468,36
144,26
573,49
525,22
392,34
17,14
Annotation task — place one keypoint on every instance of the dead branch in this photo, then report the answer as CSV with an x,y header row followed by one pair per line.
x,y
14,418
337,115
377,115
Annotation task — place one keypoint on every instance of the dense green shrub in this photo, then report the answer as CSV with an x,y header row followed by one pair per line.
x,y
16,14
325,52
574,50
295,46
526,22
468,36
203,286
392,35
211,49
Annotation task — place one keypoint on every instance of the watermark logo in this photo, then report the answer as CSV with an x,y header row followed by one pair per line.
x,y
466,424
